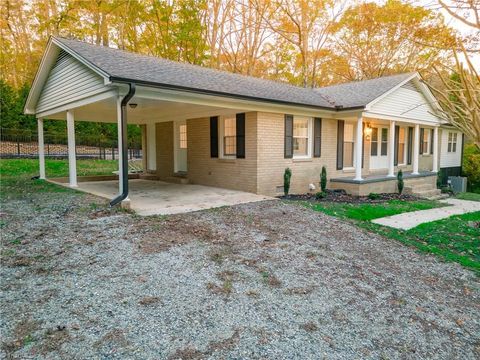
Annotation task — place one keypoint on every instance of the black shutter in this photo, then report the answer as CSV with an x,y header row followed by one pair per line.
x,y
214,137
317,137
240,128
288,136
410,145
397,139
431,141
340,133
420,151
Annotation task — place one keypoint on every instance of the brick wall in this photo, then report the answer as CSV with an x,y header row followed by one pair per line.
x,y
164,145
237,174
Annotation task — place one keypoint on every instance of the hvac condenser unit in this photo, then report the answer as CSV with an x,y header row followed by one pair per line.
x,y
457,183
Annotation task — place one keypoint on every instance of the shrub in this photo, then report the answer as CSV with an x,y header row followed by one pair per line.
x,y
286,181
374,196
400,183
441,179
320,195
323,179
471,168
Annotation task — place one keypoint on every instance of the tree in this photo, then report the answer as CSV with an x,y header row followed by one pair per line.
x,y
459,97
376,40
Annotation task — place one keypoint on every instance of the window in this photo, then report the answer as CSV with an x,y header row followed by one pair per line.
x,y
348,145
183,136
374,144
452,142
301,138
401,146
383,150
229,136
426,142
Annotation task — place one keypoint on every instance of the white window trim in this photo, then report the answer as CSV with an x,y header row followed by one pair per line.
x,y
221,132
351,168
429,133
309,142
450,143
405,145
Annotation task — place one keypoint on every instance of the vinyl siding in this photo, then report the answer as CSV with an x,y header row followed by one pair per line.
x,y
407,101
68,81
450,159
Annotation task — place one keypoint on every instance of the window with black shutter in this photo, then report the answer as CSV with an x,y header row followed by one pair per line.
x,y
288,136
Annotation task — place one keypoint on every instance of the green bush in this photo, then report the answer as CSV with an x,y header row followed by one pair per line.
x,y
400,183
471,167
286,180
374,196
323,179
320,195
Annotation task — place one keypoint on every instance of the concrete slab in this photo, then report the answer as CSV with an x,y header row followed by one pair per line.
x,y
148,197
412,219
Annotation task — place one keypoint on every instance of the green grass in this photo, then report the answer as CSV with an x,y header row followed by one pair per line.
x,y
454,239
366,212
16,174
468,196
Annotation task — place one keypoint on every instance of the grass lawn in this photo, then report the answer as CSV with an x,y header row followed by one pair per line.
x,y
454,239
16,174
468,196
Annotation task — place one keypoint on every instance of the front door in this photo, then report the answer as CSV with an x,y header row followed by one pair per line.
x,y
379,148
181,146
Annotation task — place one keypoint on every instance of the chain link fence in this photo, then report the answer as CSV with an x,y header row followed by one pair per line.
x,y
24,144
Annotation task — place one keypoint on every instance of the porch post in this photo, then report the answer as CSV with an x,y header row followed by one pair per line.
x,y
41,149
72,156
120,152
416,149
435,150
391,150
358,148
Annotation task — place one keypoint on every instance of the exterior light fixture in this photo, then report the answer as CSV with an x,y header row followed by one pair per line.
x,y
368,131
132,106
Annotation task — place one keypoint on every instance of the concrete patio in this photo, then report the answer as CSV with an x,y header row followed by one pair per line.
x,y
151,197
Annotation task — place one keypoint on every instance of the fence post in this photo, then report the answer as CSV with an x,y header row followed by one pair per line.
x,y
113,153
18,146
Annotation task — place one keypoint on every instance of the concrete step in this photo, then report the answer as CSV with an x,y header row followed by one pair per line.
x,y
439,197
428,193
421,187
148,176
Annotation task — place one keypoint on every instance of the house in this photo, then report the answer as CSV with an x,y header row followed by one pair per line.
x,y
238,132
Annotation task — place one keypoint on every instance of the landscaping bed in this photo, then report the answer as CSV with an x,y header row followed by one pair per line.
x,y
340,196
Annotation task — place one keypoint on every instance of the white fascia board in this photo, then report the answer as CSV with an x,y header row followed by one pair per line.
x,y
48,60
384,95
110,92
373,115
432,100
227,102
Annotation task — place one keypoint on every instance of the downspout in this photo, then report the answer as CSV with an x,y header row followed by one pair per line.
x,y
123,113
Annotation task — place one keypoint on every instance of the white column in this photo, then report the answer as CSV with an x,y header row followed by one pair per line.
x,y
41,149
72,156
358,148
416,149
120,153
435,150
391,150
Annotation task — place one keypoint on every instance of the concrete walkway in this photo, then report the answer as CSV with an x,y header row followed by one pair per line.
x,y
412,219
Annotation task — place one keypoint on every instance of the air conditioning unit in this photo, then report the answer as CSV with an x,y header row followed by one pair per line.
x,y
457,183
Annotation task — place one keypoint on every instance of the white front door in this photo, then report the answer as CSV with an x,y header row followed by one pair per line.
x,y
180,146
379,148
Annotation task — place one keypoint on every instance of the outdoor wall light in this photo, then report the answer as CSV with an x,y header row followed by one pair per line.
x,y
368,131
133,106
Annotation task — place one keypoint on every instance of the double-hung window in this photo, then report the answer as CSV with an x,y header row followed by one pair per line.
x,y
302,137
426,142
229,137
401,146
348,145
452,142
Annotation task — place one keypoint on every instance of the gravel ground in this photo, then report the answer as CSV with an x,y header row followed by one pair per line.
x,y
264,280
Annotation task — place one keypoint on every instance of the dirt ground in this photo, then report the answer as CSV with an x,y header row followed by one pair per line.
x,y
266,280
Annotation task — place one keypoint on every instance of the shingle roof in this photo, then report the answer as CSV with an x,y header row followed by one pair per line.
x,y
360,93
119,64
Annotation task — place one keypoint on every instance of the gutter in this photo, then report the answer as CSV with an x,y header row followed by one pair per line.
x,y
333,109
123,113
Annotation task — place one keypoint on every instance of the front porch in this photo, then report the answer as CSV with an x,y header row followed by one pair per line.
x,y
422,184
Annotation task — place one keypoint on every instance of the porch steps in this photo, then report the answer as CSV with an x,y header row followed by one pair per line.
x,y
149,176
177,179
424,191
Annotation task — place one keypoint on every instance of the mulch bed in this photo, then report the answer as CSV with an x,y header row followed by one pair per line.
x,y
340,196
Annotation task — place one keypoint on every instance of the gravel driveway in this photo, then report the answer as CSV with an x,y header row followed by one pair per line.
x,y
264,280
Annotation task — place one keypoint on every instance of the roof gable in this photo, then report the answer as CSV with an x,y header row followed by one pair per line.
x,y
410,100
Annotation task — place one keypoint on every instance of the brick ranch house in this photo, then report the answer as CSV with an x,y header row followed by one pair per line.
x,y
238,132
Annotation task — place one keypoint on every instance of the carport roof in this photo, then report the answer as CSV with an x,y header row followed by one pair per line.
x,y
120,65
